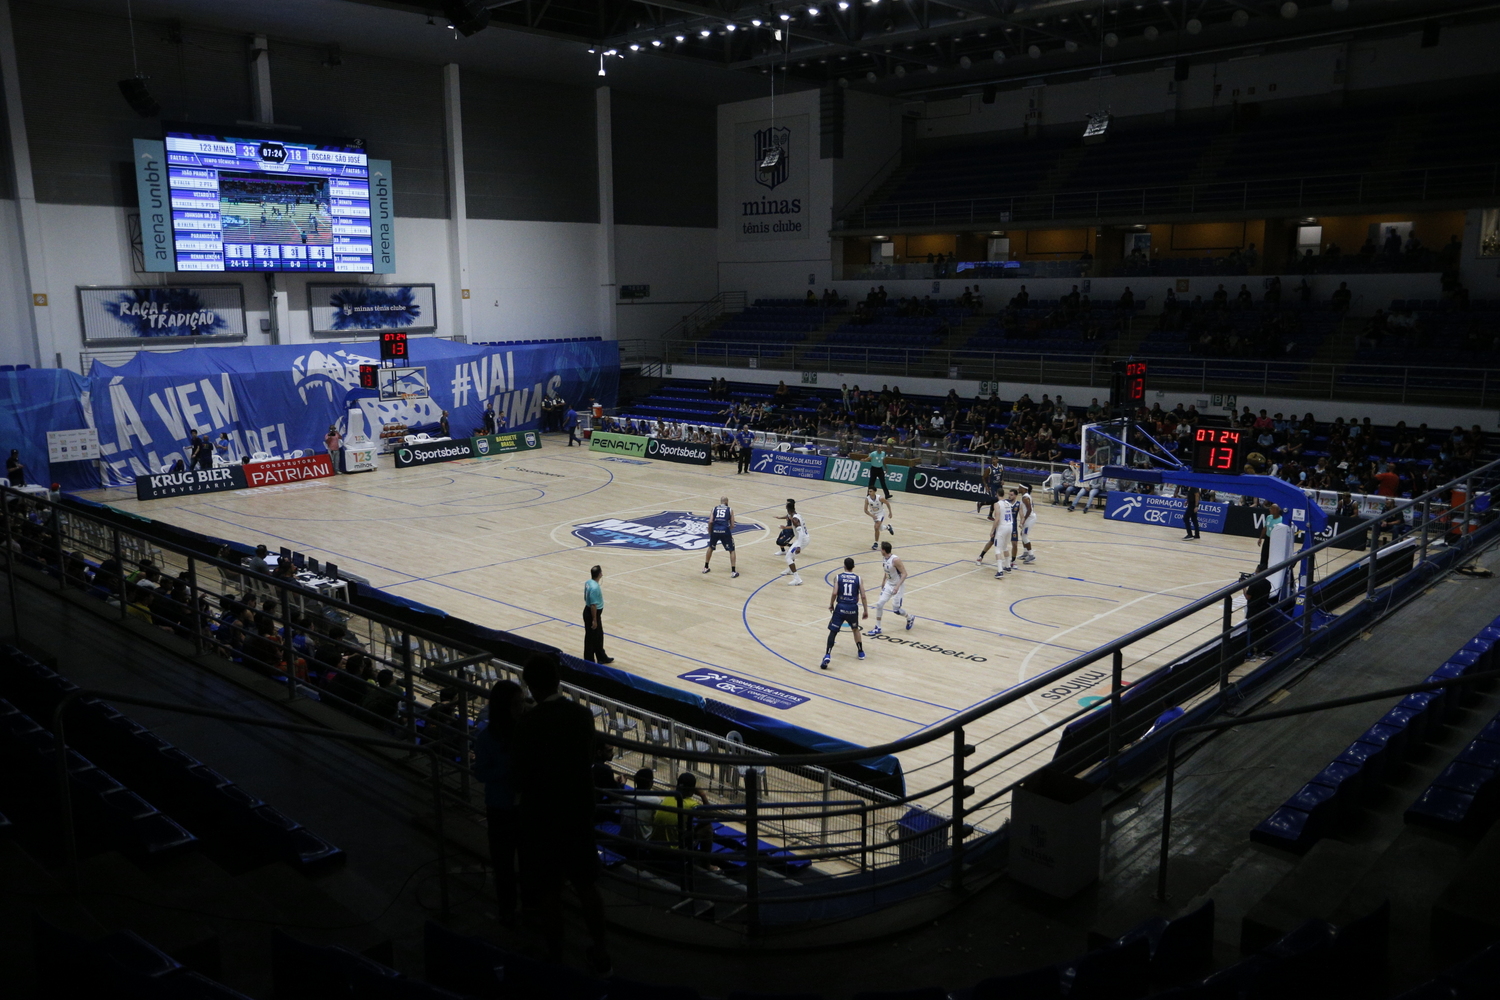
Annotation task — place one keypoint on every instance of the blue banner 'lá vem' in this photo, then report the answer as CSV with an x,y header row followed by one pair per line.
x,y
280,400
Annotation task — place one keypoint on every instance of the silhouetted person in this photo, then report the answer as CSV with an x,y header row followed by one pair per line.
x,y
555,757
495,765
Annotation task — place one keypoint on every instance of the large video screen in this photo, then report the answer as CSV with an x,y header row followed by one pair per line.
x,y
247,204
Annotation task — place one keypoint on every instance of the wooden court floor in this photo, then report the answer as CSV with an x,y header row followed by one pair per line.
x,y
492,540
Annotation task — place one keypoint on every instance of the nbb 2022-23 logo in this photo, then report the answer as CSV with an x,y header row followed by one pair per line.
x,y
671,529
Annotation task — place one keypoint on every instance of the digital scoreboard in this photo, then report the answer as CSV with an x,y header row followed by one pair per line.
x,y
1128,384
264,204
1219,449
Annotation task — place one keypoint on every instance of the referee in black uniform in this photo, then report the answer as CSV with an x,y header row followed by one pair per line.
x,y
1190,515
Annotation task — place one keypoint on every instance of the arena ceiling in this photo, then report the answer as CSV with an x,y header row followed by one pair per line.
x,y
926,47
712,51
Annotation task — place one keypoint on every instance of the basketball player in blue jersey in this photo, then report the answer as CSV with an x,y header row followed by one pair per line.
x,y
721,532
845,602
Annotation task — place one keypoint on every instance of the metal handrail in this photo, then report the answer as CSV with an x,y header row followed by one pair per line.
x,y
1208,196
1303,379
954,728
1021,690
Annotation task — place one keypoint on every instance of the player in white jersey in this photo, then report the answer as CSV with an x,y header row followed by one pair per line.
x,y
894,589
1025,518
799,541
1000,536
878,509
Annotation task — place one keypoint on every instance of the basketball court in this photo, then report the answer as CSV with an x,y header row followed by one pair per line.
x,y
507,542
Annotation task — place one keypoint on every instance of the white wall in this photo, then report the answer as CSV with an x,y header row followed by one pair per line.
x,y
678,264
530,279
774,267
1386,414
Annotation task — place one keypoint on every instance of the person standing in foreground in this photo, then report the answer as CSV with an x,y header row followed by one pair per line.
x,y
555,744
1190,515
1000,533
877,468
799,541
721,532
878,509
1273,518
894,589
845,602
593,618
495,765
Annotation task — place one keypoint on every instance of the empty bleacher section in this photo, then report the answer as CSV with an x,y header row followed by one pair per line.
x,y
1434,150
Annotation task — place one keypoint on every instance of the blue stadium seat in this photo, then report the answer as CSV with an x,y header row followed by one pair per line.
x,y
627,989
473,967
1119,972
1289,829
314,972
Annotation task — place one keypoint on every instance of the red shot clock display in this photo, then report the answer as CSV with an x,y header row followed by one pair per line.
x,y
393,346
1220,450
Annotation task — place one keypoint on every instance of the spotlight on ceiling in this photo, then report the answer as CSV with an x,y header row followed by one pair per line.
x,y
656,43
704,33
468,17
139,98
635,47
681,38
814,11
756,21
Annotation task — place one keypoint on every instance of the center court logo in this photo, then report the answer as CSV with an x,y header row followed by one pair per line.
x,y
671,529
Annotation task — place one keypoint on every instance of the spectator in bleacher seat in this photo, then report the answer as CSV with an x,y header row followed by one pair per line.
x,y
1412,244
554,747
1388,483
1243,300
1367,251
384,700
1450,254
811,300
1332,251
1127,298
1221,298
495,765
1392,522
1342,297
257,563
782,394
1273,290
1392,246
880,295
638,817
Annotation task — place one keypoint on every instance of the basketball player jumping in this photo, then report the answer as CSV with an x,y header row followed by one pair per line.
x,y
893,590
1000,535
845,602
721,532
877,509
799,541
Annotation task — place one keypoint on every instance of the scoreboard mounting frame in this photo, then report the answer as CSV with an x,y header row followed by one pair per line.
x,y
1219,450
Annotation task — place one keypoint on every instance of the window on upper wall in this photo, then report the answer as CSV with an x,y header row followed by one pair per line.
x,y
1489,232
